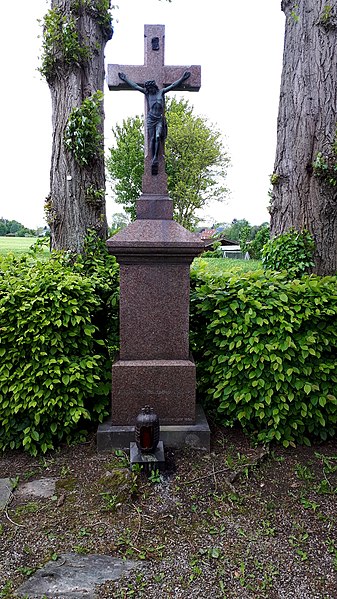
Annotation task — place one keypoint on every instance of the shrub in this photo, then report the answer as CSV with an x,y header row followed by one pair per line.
x,y
266,353
292,251
255,246
55,367
215,252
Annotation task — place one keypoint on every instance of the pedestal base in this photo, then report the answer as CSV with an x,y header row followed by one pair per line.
x,y
197,435
168,386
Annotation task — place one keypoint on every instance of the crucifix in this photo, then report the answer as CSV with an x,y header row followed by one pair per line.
x,y
154,366
154,79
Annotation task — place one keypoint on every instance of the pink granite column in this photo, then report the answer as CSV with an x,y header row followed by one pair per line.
x,y
154,365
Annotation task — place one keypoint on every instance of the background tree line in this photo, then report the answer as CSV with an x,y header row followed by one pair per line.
x,y
13,227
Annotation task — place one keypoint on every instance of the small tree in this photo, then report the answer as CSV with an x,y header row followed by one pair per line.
x,y
119,221
196,162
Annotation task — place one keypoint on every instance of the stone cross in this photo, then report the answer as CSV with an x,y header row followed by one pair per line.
x,y
154,69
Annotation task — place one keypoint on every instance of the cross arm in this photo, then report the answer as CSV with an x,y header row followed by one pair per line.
x,y
163,77
137,73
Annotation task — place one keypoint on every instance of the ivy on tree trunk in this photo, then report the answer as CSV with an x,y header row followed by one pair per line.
x,y
304,192
75,33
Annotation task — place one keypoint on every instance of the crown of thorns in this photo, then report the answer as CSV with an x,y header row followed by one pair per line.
x,y
151,83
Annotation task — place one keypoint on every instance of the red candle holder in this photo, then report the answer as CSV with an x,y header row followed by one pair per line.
x,y
147,430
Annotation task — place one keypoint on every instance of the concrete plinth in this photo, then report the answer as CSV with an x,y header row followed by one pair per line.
x,y
197,435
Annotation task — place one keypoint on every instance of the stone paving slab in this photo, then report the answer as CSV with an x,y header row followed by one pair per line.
x,y
6,487
43,487
74,576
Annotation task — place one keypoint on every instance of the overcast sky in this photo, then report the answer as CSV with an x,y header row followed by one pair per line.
x,y
239,46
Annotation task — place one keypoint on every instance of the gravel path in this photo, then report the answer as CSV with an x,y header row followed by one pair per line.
x,y
238,523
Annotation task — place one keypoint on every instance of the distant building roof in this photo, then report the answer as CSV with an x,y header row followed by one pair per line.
x,y
207,234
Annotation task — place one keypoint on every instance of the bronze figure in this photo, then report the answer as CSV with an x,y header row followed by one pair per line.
x,y
155,121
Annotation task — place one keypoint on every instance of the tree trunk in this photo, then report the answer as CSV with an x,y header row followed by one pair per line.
x,y
302,197
75,35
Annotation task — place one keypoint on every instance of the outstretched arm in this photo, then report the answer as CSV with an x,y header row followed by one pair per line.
x,y
132,84
185,76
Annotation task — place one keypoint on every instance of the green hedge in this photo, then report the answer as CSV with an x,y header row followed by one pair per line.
x,y
55,366
265,348
266,353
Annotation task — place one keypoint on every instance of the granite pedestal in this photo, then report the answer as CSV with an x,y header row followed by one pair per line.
x,y
154,365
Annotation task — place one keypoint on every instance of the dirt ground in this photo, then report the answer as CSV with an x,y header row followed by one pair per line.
x,y
237,523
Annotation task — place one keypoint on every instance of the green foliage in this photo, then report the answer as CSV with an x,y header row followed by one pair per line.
x,y
232,231
119,220
292,251
55,365
99,10
266,352
94,196
328,17
14,228
256,245
244,239
294,14
83,134
275,178
61,44
325,167
251,237
215,252
196,162
125,163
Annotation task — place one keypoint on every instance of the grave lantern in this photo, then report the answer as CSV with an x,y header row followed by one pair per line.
x,y
147,430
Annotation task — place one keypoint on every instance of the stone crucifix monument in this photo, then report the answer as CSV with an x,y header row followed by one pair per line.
x,y
154,366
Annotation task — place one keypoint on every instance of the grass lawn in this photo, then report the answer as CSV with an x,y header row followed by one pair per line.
x,y
226,265
16,245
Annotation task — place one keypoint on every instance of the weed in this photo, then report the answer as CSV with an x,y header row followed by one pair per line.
x,y
26,571
28,508
65,470
83,532
303,472
324,487
30,474
329,463
268,530
111,501
131,589
6,592
81,550
297,542
120,460
154,476
309,504
126,546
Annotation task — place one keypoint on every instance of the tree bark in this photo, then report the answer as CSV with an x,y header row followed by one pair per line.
x,y
307,126
70,210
